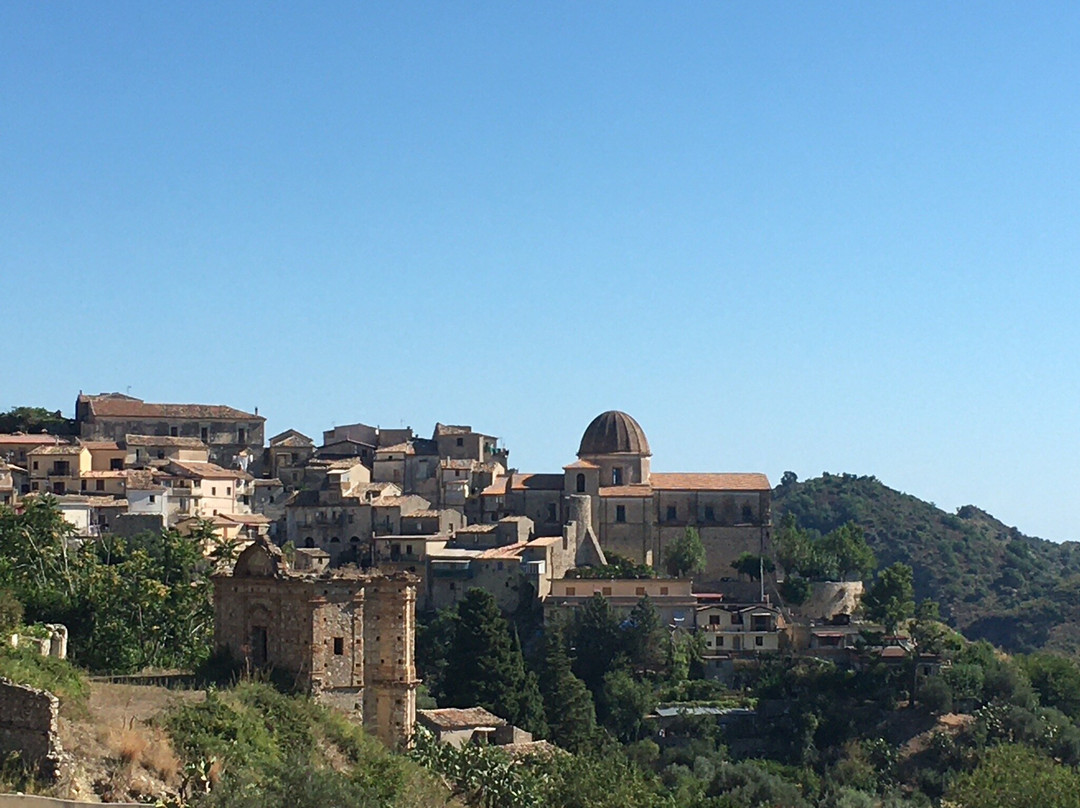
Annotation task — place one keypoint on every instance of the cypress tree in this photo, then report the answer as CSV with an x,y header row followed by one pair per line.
x,y
568,705
484,666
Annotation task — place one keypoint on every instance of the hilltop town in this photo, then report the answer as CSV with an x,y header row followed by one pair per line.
x,y
448,602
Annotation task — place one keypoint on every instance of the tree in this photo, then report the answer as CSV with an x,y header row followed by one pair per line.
x,y
643,637
37,419
846,550
891,599
568,705
595,641
1011,775
625,702
686,555
484,665
751,565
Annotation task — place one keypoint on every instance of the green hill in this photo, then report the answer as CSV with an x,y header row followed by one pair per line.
x,y
992,581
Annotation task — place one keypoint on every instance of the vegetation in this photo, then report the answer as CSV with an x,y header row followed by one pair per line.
x,y
617,567
36,420
27,667
128,603
992,582
685,556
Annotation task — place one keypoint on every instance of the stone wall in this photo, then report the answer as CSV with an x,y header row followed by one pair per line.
x,y
28,725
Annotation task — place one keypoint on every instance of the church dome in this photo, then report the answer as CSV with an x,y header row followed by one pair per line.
x,y
614,432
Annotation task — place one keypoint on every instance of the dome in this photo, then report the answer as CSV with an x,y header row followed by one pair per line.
x,y
614,432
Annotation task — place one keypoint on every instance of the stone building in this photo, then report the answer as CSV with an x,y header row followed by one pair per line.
x,y
636,512
229,433
347,637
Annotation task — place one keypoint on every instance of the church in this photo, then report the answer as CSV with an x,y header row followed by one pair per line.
x,y
636,512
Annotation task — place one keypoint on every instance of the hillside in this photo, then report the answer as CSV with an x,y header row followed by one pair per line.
x,y
992,581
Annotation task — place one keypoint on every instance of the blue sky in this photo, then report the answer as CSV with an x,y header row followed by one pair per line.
x,y
798,236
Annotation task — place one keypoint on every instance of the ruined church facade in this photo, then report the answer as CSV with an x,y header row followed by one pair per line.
x,y
348,637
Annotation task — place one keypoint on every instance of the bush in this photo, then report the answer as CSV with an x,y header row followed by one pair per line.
x,y
935,696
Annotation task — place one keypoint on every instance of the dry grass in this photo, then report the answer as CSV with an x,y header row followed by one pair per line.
x,y
136,744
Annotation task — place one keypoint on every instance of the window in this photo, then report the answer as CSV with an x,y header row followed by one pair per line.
x,y
213,491
204,433
663,590
605,591
571,591
620,513
580,482
759,640
719,641
747,513
174,432
461,441
617,476
354,540
309,542
35,465
408,549
160,455
672,513
339,646
241,435
82,485
551,516
640,591
99,485
714,619
736,619
116,464
228,490
335,540
153,499
710,514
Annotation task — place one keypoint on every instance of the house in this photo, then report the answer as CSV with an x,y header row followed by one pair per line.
x,y
335,520
346,637
204,489
156,450
288,453
58,468
227,432
672,597
14,448
14,482
740,628
458,726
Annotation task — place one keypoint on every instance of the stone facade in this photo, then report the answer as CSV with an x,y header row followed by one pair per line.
x,y
347,637
28,726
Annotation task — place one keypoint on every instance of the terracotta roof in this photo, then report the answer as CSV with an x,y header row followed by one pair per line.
x,y
626,491
497,488
540,482
392,501
403,448
117,406
477,529
545,541
104,475
452,429
42,439
247,518
290,437
506,551
461,717
425,514
710,482
452,463
581,464
273,481
197,468
164,440
62,449
102,445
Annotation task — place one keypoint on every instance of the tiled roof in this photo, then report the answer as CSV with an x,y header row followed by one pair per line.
x,y
42,439
117,406
62,449
709,482
397,448
164,440
581,464
101,445
392,501
541,482
626,491
247,518
290,437
506,551
461,717
452,429
497,487
116,474
477,529
425,514
197,468
452,463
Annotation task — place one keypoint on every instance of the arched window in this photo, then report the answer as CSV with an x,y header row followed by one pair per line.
x,y
309,542
335,540
616,475
581,483
354,540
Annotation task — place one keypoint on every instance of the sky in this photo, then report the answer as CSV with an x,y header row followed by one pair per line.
x,y
783,236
